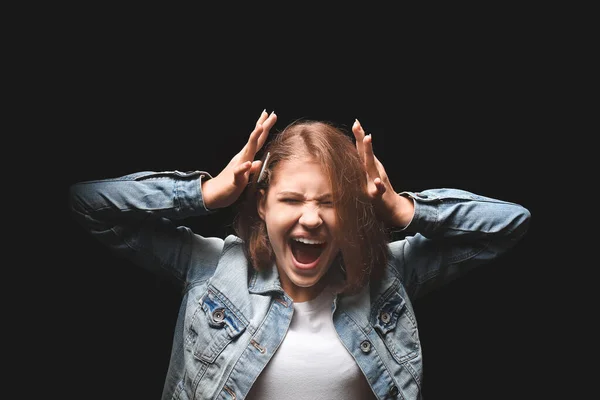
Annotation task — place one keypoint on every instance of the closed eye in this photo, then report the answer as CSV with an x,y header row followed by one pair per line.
x,y
296,201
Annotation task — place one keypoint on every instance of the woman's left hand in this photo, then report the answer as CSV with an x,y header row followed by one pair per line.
x,y
393,209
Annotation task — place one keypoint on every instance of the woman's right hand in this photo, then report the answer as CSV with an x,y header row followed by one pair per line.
x,y
224,189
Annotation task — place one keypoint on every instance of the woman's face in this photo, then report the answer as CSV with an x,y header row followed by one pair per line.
x,y
301,224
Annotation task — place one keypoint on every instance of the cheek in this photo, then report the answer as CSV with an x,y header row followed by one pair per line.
x,y
279,222
330,218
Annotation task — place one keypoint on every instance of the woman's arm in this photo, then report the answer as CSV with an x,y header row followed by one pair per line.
x,y
135,216
454,231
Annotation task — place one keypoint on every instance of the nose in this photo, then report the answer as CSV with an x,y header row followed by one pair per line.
x,y
310,217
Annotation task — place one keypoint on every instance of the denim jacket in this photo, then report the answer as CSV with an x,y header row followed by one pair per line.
x,y
233,318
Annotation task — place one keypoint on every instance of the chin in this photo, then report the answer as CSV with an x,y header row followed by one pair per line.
x,y
304,283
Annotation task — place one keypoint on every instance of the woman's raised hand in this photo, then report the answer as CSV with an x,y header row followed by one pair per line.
x,y
391,208
224,189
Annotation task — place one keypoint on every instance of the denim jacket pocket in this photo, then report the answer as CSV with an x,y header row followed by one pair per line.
x,y
212,328
396,325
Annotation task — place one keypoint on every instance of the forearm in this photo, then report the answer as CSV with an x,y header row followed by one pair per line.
x,y
135,216
172,195
454,231
403,213
459,213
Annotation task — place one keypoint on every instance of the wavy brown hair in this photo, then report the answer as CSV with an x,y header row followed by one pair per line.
x,y
362,236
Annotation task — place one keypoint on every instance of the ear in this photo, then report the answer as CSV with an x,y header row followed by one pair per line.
x,y
261,203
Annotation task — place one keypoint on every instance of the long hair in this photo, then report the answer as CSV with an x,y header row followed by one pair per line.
x,y
362,237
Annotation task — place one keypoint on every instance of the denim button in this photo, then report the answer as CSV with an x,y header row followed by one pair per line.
x,y
218,315
394,391
385,317
365,346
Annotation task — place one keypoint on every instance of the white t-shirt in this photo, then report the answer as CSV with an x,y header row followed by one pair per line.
x,y
312,363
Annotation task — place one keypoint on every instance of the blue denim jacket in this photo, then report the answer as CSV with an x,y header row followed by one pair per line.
x,y
232,318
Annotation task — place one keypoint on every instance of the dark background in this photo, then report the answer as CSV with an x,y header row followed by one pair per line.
x,y
137,101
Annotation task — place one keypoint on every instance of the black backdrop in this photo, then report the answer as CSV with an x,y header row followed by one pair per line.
x,y
150,108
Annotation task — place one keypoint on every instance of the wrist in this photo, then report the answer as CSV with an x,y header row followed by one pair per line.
x,y
404,211
205,192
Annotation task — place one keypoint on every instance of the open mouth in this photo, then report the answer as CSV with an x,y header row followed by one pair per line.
x,y
306,252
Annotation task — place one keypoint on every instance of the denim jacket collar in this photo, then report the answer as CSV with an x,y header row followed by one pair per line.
x,y
259,282
265,281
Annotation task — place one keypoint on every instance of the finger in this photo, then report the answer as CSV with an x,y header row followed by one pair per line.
x,y
255,166
378,163
255,135
239,173
263,116
370,163
250,148
377,189
380,186
359,135
267,125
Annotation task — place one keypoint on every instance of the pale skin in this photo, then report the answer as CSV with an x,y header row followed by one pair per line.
x,y
393,209
298,206
224,189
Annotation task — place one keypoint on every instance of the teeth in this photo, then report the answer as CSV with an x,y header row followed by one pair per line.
x,y
308,241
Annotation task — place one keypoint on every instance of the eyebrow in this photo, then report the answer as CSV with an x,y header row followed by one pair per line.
x,y
297,194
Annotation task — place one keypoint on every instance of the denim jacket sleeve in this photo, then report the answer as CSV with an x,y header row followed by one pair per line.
x,y
135,216
453,231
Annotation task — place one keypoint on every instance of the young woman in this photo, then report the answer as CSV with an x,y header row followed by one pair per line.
x,y
309,299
